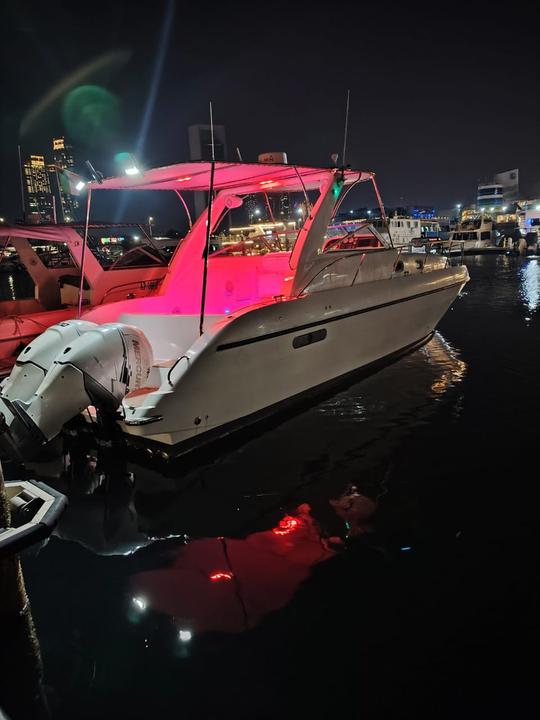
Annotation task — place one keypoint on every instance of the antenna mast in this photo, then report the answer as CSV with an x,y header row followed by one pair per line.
x,y
346,128
208,223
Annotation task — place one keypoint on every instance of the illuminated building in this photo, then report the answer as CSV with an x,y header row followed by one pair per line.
x,y
504,189
38,196
63,159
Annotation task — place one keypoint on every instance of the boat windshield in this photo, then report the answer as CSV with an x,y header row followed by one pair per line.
x,y
250,245
361,237
118,247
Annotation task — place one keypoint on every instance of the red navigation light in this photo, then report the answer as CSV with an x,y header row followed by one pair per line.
x,y
269,183
183,179
220,576
287,525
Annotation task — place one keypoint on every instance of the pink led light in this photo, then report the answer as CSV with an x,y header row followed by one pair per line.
x,y
183,179
269,183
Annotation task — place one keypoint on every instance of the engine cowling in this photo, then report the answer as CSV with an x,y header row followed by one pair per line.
x,y
97,367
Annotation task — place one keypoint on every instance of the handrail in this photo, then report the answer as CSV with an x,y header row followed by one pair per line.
x,y
132,283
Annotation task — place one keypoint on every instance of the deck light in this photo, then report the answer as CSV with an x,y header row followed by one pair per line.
x,y
185,635
132,170
183,179
269,183
80,185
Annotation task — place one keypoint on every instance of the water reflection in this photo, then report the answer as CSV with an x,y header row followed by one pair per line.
x,y
529,288
118,506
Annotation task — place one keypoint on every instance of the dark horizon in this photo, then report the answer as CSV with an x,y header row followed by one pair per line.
x,y
437,102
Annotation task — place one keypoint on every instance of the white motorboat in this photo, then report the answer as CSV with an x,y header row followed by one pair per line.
x,y
50,257
474,234
272,326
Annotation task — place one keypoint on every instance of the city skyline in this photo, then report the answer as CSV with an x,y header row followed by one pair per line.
x,y
421,100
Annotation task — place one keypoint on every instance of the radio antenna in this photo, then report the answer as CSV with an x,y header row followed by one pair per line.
x,y
346,127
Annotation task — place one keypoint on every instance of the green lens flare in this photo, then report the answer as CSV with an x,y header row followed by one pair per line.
x,y
91,114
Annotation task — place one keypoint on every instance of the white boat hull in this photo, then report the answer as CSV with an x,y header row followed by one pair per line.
x,y
250,367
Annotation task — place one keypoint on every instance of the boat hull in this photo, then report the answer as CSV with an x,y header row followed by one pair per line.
x,y
272,356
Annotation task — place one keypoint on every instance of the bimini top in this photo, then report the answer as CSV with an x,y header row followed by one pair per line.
x,y
48,233
238,177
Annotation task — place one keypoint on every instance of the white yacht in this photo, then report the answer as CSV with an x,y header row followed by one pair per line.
x,y
50,259
230,339
407,231
475,234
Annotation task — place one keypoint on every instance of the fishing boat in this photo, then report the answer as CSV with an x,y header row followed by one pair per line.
x,y
229,339
41,270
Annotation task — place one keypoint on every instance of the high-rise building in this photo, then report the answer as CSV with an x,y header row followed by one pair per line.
x,y
63,159
38,196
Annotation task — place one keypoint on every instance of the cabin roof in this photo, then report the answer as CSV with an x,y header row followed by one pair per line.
x,y
239,177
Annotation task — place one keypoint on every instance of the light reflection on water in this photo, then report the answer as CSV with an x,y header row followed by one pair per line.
x,y
530,284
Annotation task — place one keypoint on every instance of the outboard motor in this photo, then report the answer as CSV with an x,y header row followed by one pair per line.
x,y
98,366
35,360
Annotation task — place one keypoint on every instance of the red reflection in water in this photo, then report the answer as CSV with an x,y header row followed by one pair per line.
x,y
219,576
286,526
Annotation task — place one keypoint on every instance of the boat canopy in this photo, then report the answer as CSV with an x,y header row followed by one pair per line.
x,y
50,233
237,177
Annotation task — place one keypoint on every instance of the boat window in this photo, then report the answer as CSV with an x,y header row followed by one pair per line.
x,y
486,235
309,338
53,255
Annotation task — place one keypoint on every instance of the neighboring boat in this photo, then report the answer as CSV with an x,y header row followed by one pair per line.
x,y
51,257
476,234
34,509
405,232
273,326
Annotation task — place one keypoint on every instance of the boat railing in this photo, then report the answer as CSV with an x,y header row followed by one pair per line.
x,y
448,248
150,284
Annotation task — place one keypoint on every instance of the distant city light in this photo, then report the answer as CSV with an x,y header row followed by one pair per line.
x,y
136,237
492,209
2,219
505,208
369,212
68,219
257,211
132,170
185,635
80,185
140,603
300,211
537,207
352,212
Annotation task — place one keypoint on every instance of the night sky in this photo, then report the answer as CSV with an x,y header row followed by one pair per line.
x,y
441,95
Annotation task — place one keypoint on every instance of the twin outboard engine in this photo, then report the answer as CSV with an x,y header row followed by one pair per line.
x,y
70,366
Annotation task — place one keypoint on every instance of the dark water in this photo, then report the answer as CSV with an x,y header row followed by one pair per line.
x,y
375,556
